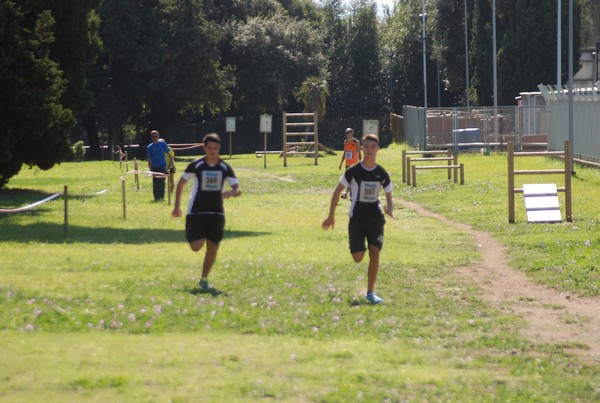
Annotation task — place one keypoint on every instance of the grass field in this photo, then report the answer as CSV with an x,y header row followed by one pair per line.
x,y
112,312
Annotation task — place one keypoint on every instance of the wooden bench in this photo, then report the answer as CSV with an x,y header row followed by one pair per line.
x,y
455,167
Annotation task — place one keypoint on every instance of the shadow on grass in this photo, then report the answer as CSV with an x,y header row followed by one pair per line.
x,y
361,302
54,233
212,291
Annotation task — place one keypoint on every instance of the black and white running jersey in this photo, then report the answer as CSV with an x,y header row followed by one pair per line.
x,y
365,185
206,196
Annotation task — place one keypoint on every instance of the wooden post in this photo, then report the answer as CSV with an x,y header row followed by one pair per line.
x,y
456,170
284,139
408,171
265,154
511,182
403,166
137,178
449,154
316,136
126,163
66,199
414,176
462,174
124,200
568,190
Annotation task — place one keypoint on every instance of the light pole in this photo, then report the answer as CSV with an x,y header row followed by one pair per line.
x,y
571,136
558,44
391,80
423,17
467,84
495,72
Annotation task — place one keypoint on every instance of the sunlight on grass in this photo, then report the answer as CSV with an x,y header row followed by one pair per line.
x,y
113,312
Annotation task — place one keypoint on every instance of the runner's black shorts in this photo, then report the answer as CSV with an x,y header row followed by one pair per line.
x,y
200,226
370,229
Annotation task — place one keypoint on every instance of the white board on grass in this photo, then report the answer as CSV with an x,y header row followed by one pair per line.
x,y
541,202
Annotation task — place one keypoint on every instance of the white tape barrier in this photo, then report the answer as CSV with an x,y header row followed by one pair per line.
x,y
149,173
30,206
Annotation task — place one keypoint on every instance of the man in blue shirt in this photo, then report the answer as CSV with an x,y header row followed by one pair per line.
x,y
157,154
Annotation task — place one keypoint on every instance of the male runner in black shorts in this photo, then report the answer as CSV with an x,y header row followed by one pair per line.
x,y
365,179
205,220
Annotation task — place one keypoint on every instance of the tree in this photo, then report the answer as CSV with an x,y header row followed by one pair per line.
x,y
335,30
76,47
523,64
402,33
449,47
313,92
365,76
272,56
160,61
33,121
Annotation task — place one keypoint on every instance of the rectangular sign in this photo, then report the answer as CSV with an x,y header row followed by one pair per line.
x,y
230,125
370,127
266,123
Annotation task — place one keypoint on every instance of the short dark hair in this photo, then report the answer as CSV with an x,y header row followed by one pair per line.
x,y
372,137
214,137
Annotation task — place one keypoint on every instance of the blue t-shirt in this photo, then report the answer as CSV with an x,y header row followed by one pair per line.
x,y
156,152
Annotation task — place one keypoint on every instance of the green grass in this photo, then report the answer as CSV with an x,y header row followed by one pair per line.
x,y
112,312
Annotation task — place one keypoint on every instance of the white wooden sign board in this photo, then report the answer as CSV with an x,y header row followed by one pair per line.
x,y
266,123
230,125
370,127
541,202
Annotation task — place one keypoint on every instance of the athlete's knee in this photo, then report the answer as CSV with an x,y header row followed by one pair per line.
x,y
358,256
197,245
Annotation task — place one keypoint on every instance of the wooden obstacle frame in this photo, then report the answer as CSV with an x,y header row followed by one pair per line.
x,y
292,123
409,171
567,189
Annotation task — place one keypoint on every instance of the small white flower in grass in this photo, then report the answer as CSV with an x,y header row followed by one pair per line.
x,y
121,306
588,243
37,311
169,302
30,301
29,327
148,324
158,309
336,318
132,317
360,322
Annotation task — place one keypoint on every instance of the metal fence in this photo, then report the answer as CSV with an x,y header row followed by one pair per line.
x,y
530,126
586,120
462,128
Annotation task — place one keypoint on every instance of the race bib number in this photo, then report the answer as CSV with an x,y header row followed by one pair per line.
x,y
348,155
212,181
369,192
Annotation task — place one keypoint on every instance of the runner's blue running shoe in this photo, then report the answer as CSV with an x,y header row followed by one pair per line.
x,y
373,298
204,286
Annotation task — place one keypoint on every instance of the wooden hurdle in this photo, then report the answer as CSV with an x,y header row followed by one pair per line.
x,y
406,167
309,121
512,172
456,167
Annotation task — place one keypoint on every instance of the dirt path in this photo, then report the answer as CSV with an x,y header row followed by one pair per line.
x,y
552,316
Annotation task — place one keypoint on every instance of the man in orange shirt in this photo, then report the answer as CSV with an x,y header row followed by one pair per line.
x,y
352,153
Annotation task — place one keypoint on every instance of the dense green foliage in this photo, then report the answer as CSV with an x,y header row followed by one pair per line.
x,y
108,71
33,119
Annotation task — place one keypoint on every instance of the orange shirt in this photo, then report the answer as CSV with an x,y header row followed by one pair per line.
x,y
351,151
